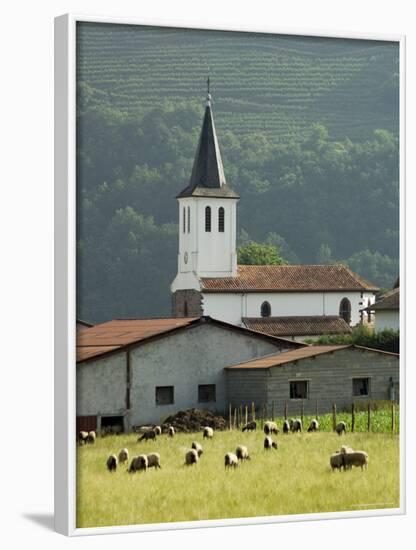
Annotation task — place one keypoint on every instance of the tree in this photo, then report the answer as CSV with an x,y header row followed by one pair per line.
x,y
259,254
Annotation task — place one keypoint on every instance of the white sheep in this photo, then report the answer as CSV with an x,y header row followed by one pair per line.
x,y
82,437
191,457
270,428
171,431
208,432
123,456
153,460
112,463
269,443
313,426
230,460
91,437
336,461
355,458
198,447
345,449
138,463
341,427
242,453
157,430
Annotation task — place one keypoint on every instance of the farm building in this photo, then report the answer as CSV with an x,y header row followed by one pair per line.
x,y
313,375
134,372
386,311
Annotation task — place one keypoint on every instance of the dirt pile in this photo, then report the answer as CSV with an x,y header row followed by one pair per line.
x,y
194,420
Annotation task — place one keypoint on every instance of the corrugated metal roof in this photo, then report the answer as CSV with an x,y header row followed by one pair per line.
x,y
289,278
298,325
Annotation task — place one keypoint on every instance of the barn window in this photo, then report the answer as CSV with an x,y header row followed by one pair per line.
x,y
112,424
208,219
345,310
206,393
189,219
360,387
221,216
299,389
164,395
265,309
184,219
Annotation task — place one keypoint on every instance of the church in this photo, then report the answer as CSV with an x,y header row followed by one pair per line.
x,y
291,301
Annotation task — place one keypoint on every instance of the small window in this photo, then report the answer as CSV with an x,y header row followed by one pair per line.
x,y
299,389
265,309
360,387
164,395
184,219
221,219
345,310
189,219
208,219
206,393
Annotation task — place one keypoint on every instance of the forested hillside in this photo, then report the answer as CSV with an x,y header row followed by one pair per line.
x,y
309,139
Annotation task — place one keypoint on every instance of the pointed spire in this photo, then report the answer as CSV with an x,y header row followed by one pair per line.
x,y
208,178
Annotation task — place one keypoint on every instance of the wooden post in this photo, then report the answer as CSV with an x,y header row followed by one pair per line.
x,y
253,411
393,419
285,410
352,417
302,411
246,415
273,411
230,416
334,416
369,418
316,410
235,418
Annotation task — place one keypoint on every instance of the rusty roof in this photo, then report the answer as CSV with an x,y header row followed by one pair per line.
x,y
289,278
298,325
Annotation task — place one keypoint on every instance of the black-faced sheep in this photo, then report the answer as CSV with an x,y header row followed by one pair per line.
x,y
82,437
336,461
250,426
313,426
153,460
198,448
191,457
123,456
208,432
355,458
242,453
269,443
91,437
150,434
138,463
230,460
296,425
171,431
286,427
341,427
112,463
270,428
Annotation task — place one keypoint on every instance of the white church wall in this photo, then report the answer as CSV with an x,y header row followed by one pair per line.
x,y
387,319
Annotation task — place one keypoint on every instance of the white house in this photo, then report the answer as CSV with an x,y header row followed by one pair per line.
x,y
209,281
386,311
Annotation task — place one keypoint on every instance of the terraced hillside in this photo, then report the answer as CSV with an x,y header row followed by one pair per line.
x,y
275,84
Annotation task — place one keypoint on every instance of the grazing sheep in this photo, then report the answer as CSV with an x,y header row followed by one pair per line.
x,y
157,430
82,437
171,431
291,422
345,449
341,427
250,426
336,461
112,463
270,428
153,460
208,432
91,437
313,426
355,458
242,453
269,443
286,427
138,463
198,448
191,457
123,456
297,425
150,434
230,460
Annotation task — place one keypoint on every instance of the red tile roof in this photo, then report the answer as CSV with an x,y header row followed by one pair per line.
x,y
296,325
390,300
289,278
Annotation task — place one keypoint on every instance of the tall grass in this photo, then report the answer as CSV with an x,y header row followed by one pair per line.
x,y
295,479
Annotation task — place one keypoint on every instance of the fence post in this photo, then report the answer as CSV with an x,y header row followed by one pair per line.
x,y
241,415
253,411
369,418
285,410
273,411
353,417
235,418
334,416
393,419
246,415
302,411
230,416
316,410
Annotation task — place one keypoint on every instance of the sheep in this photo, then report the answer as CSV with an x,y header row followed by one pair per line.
x,y
230,460
191,457
336,461
286,427
341,427
91,437
157,430
355,458
313,426
112,463
198,448
171,431
345,449
250,426
153,460
123,456
150,434
269,443
138,463
291,422
270,428
82,437
242,453
297,425
208,432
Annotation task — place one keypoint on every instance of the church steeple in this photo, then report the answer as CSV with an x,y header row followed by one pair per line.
x,y
208,178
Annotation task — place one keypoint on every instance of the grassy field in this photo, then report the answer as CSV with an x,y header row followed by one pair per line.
x,y
295,479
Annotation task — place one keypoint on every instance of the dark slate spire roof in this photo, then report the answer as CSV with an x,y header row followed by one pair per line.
x,y
207,178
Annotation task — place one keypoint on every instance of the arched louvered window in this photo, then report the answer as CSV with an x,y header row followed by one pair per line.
x,y
189,219
221,219
184,219
345,310
265,309
208,219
